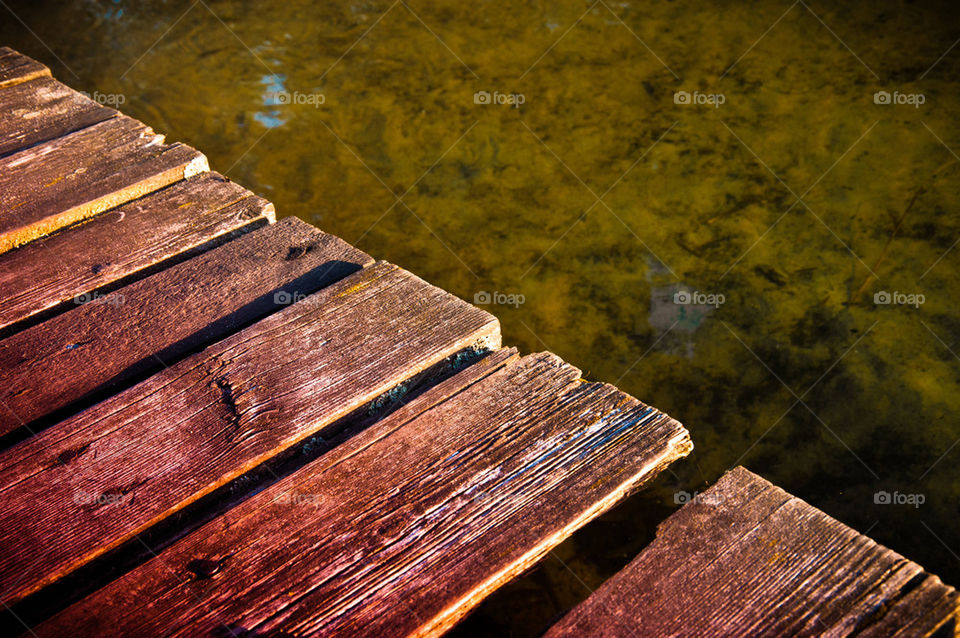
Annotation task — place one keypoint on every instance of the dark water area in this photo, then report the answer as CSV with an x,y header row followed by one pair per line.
x,y
745,214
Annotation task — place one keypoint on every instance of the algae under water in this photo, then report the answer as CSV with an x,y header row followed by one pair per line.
x,y
587,167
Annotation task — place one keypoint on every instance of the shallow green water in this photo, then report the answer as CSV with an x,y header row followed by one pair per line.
x,y
600,197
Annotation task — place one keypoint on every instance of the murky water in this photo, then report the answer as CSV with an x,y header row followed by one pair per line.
x,y
587,167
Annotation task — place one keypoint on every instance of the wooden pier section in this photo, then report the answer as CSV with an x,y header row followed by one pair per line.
x,y
747,559
217,424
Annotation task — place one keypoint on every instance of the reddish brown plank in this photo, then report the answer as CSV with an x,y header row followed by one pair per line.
x,y
747,559
137,236
16,68
44,109
54,184
182,433
405,527
153,322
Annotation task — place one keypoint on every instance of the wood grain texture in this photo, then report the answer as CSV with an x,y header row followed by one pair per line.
x,y
151,323
93,481
42,110
130,239
16,68
748,559
60,182
407,526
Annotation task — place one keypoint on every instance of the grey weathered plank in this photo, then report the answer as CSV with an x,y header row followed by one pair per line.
x,y
407,526
44,109
130,239
150,323
16,68
189,429
748,559
54,184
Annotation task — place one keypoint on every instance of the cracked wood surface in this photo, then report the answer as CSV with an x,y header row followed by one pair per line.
x,y
16,68
144,326
748,559
68,179
137,236
44,109
407,526
93,481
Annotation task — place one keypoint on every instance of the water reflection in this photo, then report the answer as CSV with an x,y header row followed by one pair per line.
x,y
275,97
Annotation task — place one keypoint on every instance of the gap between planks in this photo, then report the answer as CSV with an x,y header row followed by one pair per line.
x,y
195,426
409,523
57,183
150,324
83,260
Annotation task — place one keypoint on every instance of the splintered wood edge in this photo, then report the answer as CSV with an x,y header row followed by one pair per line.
x,y
269,212
677,447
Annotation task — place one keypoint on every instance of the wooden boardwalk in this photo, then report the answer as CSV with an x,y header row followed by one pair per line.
x,y
747,559
216,424
305,435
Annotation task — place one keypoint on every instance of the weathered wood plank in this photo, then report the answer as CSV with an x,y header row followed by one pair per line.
x,y
748,559
141,327
54,184
130,239
42,110
182,433
16,68
405,527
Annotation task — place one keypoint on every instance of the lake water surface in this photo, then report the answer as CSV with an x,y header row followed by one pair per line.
x,y
587,167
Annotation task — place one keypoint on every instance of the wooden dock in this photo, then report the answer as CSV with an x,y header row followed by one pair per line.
x,y
747,559
217,424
